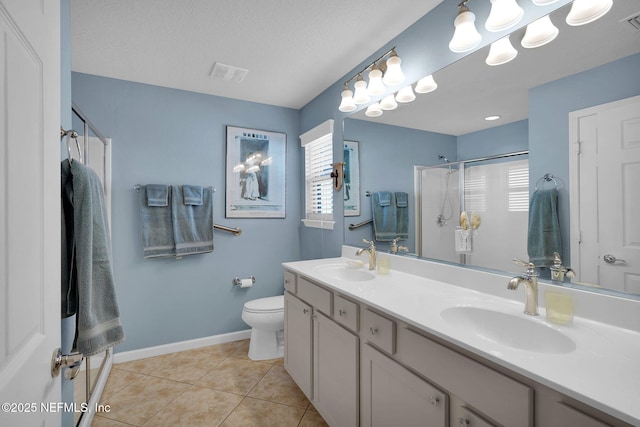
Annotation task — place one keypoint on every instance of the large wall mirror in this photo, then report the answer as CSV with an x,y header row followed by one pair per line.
x,y
584,66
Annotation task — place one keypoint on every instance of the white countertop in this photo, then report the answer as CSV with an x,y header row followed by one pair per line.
x,y
603,371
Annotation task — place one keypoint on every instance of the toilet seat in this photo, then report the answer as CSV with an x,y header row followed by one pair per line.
x,y
265,305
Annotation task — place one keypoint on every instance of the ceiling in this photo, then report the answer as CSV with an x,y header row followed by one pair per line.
x,y
470,90
293,49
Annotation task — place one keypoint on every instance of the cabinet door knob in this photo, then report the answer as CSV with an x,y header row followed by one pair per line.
x,y
434,400
463,421
305,310
341,312
373,330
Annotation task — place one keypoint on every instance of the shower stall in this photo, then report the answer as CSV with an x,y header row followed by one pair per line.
x,y
494,190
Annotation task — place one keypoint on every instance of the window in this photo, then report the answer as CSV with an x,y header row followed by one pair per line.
x,y
519,189
318,164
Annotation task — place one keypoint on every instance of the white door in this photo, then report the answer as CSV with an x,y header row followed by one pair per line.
x,y
607,240
29,211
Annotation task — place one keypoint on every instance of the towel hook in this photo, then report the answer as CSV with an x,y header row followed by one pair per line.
x,y
71,134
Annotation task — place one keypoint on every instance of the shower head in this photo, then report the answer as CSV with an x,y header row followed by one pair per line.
x,y
441,157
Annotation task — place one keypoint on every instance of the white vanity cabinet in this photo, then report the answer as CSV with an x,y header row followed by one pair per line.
x,y
329,373
361,366
391,395
298,329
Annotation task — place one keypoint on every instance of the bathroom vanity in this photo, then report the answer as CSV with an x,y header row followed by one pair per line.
x,y
418,347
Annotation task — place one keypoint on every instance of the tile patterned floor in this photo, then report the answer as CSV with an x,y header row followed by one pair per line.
x,y
211,386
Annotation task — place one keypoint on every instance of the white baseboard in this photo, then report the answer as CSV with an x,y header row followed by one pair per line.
x,y
159,350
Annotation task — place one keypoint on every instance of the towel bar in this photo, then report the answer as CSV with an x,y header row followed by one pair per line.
x,y
363,223
235,231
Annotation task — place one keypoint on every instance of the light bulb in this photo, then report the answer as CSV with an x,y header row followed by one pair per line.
x,y
405,94
360,96
504,14
586,11
539,33
373,110
388,103
465,36
347,105
426,84
376,86
501,52
393,76
543,2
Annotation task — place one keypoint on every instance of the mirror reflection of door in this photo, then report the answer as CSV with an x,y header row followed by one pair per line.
x,y
606,172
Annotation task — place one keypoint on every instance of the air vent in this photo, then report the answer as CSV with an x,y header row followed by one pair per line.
x,y
633,22
228,72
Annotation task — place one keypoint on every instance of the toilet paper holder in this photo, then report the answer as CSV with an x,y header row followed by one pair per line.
x,y
237,282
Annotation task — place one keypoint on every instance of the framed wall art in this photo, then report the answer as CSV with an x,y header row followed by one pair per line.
x,y
255,185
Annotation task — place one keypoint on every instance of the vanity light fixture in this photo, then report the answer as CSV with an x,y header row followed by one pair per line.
x,y
543,2
465,36
405,94
360,96
586,11
393,76
426,84
388,103
539,33
376,86
501,52
504,14
382,74
373,110
347,104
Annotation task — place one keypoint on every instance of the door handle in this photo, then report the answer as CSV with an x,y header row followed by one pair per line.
x,y
610,259
59,360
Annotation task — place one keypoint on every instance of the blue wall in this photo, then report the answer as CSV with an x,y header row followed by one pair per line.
x,y
503,139
169,136
549,107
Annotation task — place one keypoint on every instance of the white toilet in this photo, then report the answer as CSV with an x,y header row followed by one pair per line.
x,y
266,318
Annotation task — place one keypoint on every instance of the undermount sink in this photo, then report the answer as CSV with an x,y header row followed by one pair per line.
x,y
342,272
509,330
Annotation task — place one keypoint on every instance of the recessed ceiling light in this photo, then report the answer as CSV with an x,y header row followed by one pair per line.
x,y
490,118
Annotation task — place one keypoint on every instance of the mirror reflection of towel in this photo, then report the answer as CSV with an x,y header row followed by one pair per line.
x,y
390,215
544,228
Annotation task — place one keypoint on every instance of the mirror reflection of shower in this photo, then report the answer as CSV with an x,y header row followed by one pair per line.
x,y
447,205
495,188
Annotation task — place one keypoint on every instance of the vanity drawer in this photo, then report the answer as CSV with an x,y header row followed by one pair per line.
x,y
503,399
290,282
314,295
379,330
346,312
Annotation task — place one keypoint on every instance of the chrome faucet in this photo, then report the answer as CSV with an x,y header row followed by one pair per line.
x,y
372,253
394,248
530,280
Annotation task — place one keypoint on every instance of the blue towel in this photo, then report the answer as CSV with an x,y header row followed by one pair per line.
x,y
384,216
156,227
98,316
157,195
192,224
402,215
384,198
544,228
192,194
